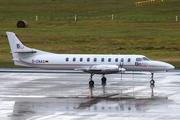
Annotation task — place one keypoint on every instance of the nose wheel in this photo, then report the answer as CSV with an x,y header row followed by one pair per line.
x,y
152,82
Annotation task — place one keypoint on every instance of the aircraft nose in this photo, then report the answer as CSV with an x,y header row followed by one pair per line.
x,y
162,66
169,66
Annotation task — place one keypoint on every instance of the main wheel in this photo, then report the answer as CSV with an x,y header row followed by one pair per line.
x,y
91,83
103,79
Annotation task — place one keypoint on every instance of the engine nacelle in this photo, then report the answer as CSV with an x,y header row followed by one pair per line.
x,y
104,69
122,70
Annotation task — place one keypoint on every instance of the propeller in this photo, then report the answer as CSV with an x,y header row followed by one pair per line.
x,y
120,67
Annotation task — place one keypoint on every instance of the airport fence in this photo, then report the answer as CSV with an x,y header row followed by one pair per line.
x,y
103,17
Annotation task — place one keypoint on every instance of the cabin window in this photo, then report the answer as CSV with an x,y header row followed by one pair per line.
x,y
81,59
74,59
129,59
116,60
122,59
88,59
67,59
102,59
138,59
109,59
95,59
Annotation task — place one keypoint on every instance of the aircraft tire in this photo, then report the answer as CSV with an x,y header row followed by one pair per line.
x,y
91,83
152,82
103,79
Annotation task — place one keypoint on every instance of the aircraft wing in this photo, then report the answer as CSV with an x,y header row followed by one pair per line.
x,y
102,69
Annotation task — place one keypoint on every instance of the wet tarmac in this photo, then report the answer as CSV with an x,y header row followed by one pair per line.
x,y
33,94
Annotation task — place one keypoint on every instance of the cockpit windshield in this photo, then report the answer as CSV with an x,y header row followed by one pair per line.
x,y
146,59
142,59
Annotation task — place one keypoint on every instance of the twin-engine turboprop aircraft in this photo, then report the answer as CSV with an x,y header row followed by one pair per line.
x,y
90,63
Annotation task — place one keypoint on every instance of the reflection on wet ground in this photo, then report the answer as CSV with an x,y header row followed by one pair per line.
x,y
44,96
110,105
103,104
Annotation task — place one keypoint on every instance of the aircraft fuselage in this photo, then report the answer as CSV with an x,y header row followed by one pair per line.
x,y
73,61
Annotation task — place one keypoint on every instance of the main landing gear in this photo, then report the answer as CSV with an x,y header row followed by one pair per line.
x,y
91,82
103,80
152,82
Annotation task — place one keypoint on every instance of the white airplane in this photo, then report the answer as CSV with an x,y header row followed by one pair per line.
x,y
90,63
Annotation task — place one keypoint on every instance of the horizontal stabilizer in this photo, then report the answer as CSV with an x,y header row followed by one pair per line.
x,y
31,51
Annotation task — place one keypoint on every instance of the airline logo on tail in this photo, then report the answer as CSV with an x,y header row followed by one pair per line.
x,y
19,46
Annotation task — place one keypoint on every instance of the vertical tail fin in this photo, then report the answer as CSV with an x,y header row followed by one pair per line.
x,y
18,49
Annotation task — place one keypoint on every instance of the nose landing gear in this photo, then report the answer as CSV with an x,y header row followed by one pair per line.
x,y
152,82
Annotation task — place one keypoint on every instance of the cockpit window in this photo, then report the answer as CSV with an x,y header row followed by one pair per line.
x,y
138,59
142,59
146,59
